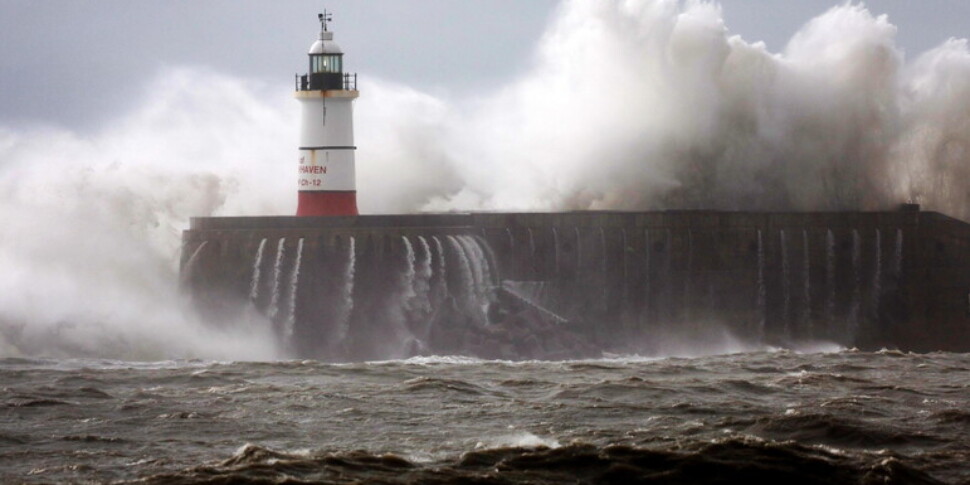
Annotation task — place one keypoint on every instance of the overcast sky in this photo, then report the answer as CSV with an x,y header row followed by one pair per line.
x,y
75,63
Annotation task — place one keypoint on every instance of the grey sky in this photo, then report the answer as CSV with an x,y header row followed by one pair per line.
x,y
77,62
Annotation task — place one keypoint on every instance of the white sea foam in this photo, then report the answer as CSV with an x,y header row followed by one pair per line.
x,y
518,439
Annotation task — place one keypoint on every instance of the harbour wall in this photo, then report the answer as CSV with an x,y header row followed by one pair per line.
x,y
557,284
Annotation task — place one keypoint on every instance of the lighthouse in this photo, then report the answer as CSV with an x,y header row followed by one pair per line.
x,y
327,181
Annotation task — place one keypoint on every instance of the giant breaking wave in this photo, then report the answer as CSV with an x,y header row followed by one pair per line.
x,y
635,104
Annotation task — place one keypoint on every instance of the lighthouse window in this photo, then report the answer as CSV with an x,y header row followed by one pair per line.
x,y
325,64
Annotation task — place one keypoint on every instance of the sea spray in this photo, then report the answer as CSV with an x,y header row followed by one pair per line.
x,y
423,305
489,262
761,299
625,297
257,264
408,292
290,322
441,279
688,275
274,299
876,284
116,297
423,275
855,308
806,318
401,335
698,118
347,294
830,280
604,270
785,285
666,284
469,247
468,289
190,263
647,303
480,272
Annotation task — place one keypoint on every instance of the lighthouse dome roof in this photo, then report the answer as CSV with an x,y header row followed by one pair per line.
x,y
325,45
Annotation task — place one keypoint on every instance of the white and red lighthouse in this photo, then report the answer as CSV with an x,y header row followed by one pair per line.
x,y
327,182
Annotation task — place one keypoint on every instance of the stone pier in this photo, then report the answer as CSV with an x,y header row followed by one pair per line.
x,y
536,285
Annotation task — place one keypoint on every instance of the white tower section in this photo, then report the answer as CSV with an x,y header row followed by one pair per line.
x,y
327,176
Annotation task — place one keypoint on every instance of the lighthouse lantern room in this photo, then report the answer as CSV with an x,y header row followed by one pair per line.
x,y
327,181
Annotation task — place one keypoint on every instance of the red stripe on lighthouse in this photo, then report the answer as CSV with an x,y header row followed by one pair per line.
x,y
321,203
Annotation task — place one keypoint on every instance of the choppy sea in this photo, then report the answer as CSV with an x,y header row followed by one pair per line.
x,y
759,417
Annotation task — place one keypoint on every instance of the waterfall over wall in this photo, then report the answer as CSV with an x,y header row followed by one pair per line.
x,y
541,285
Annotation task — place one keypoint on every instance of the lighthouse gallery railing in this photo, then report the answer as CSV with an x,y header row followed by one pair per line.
x,y
302,83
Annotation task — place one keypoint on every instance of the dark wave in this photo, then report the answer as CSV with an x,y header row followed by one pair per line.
x,y
821,379
432,385
49,396
627,391
837,431
8,362
94,439
199,379
730,461
953,416
32,402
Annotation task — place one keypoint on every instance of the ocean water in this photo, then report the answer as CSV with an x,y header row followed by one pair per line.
x,y
834,417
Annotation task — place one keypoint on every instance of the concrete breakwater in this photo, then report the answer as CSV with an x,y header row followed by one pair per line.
x,y
552,285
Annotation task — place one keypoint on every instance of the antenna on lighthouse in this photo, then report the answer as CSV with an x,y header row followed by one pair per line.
x,y
325,18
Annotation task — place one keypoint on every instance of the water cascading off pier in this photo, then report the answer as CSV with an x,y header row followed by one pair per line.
x,y
561,285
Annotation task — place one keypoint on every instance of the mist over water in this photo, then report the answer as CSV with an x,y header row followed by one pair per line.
x,y
92,223
656,105
632,104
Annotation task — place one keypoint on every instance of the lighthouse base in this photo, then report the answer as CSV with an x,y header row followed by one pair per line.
x,y
312,204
